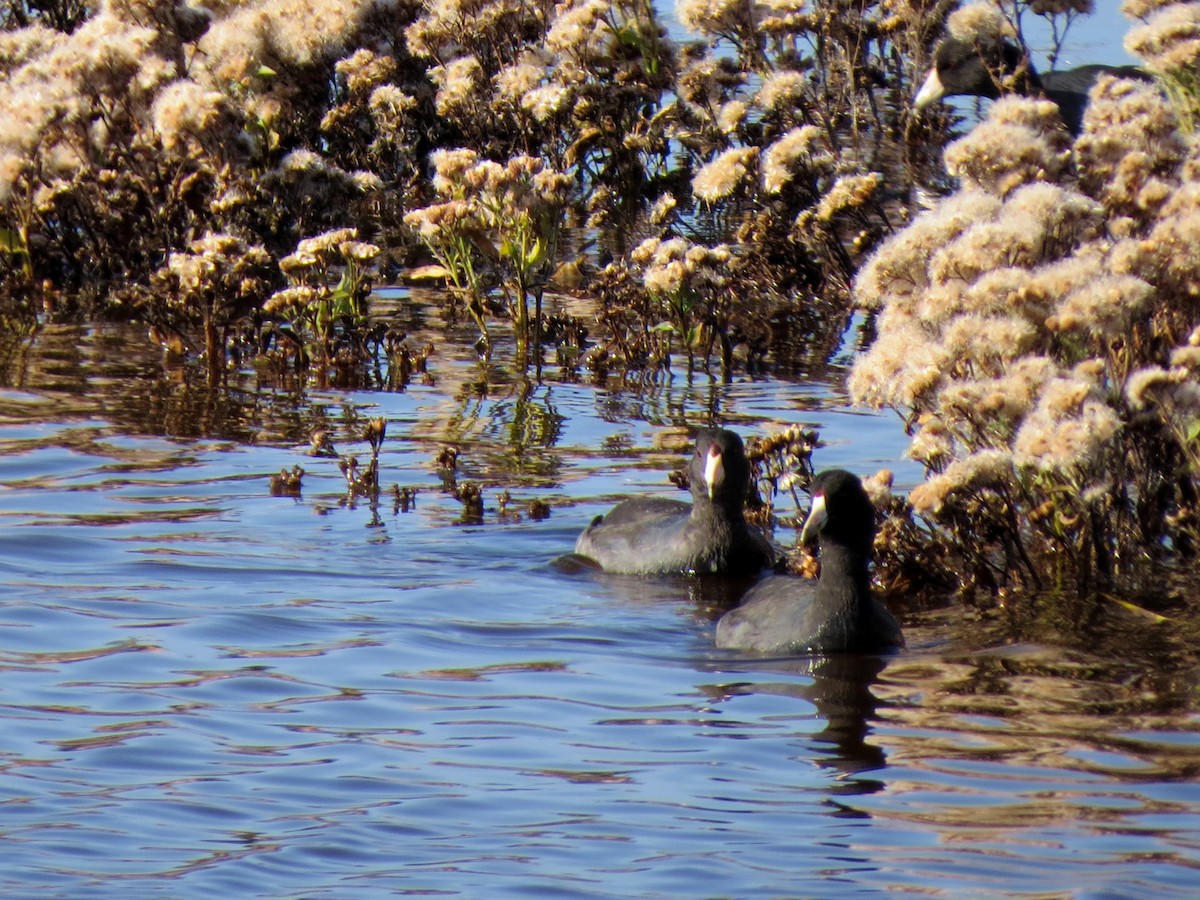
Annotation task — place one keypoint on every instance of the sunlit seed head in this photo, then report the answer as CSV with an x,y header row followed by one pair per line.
x,y
1170,39
932,447
364,70
545,102
515,81
297,296
1106,307
581,29
848,192
1141,9
900,267
387,98
326,243
645,251
184,110
663,209
904,366
987,343
1015,240
1000,156
978,471
12,167
781,89
1071,430
979,22
459,83
731,115
799,147
712,16
721,177
359,251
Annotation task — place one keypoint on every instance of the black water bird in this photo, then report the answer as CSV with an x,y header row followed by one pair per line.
x,y
660,536
988,68
786,614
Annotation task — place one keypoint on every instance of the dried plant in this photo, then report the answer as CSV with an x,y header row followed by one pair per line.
x,y
329,279
495,224
1169,42
212,285
778,133
781,462
789,113
1037,331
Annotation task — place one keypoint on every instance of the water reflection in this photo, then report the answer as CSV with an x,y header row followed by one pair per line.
x,y
840,689
838,686
209,689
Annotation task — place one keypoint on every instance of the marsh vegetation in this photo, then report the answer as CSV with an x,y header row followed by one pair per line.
x,y
238,176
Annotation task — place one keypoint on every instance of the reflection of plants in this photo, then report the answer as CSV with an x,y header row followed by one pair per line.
x,y
316,304
18,327
535,423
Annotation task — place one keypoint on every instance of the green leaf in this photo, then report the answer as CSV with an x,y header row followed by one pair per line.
x,y
662,327
1193,430
343,297
10,242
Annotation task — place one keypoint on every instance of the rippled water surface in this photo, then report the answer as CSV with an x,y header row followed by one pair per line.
x,y
205,688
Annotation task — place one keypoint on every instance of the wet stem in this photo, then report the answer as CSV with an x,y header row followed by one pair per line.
x,y
525,246
455,256
682,305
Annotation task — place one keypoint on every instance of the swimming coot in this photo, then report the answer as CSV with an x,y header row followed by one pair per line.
x,y
964,67
788,614
657,536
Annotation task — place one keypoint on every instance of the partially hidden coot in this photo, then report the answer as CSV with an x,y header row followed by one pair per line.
x,y
659,536
789,614
979,68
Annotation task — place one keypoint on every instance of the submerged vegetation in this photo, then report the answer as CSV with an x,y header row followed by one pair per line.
x,y
239,174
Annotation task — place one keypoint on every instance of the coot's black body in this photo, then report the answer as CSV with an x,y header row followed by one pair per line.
x,y
658,536
965,68
787,614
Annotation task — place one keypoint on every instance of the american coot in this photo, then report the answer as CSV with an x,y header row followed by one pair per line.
x,y
787,614
657,536
978,69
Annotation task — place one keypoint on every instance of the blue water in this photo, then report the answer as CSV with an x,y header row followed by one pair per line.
x,y
207,689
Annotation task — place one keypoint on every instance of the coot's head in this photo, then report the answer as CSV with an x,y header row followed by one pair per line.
x,y
841,511
720,471
975,68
